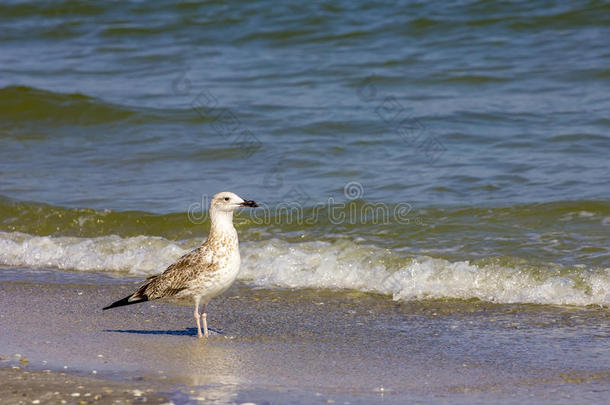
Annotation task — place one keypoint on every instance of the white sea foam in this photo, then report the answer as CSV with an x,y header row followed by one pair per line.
x,y
345,265
324,265
138,255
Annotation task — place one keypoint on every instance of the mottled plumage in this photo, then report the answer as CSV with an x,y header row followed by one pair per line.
x,y
204,272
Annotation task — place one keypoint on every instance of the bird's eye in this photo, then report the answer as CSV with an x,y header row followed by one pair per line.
x,y
226,198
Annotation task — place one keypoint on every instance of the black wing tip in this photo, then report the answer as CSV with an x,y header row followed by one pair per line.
x,y
125,301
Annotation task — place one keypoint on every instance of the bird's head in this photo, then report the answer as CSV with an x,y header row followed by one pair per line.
x,y
229,202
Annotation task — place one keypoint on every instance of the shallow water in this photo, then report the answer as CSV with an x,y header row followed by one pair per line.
x,y
552,253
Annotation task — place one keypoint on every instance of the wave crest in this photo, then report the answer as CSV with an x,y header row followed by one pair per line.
x,y
340,265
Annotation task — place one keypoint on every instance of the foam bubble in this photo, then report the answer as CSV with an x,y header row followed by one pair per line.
x,y
324,265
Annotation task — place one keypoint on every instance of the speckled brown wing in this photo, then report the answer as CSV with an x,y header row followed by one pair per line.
x,y
175,278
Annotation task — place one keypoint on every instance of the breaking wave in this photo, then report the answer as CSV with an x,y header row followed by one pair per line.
x,y
338,265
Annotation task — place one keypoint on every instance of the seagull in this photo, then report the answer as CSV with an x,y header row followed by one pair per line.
x,y
203,273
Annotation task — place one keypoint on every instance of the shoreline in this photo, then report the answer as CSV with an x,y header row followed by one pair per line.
x,y
307,345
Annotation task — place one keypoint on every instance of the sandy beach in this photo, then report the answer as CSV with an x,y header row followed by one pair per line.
x,y
297,346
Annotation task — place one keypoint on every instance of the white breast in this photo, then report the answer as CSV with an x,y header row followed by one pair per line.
x,y
208,286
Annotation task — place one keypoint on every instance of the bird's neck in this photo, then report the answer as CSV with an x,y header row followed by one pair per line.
x,y
222,225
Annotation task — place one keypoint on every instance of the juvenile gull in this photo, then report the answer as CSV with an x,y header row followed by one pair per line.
x,y
204,272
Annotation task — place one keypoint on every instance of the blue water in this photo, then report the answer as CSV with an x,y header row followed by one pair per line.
x,y
464,104
488,121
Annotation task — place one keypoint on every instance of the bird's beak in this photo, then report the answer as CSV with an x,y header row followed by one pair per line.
x,y
248,203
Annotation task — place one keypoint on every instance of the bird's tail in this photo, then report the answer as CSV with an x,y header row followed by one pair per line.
x,y
130,299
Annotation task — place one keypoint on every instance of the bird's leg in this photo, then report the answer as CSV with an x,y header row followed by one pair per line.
x,y
199,334
205,322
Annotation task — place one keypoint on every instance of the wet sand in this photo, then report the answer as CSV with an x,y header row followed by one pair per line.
x,y
21,386
303,346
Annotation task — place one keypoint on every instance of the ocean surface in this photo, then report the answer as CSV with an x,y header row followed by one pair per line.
x,y
418,150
